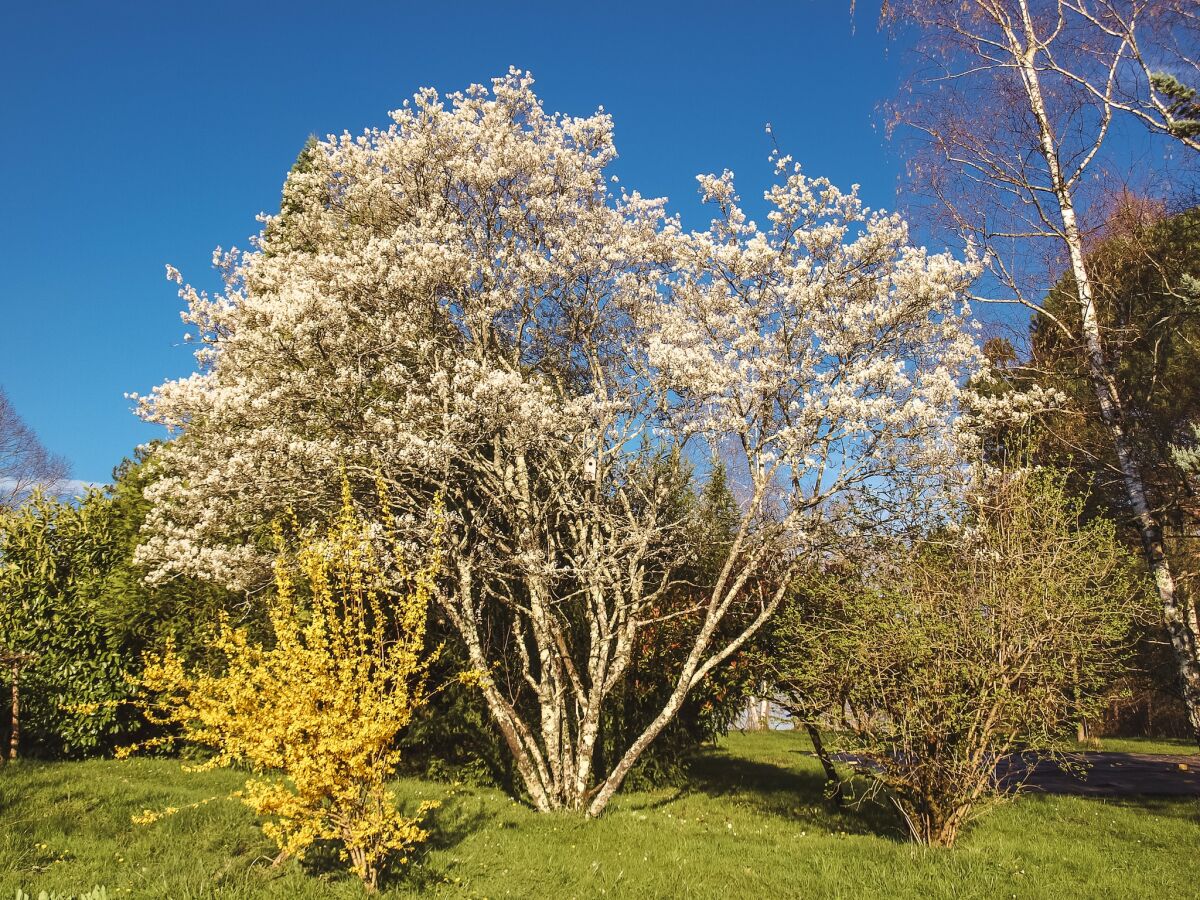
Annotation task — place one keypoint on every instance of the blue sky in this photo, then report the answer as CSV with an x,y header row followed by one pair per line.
x,y
140,134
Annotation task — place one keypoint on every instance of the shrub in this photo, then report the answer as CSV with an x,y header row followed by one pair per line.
x,y
937,660
317,713
76,614
64,671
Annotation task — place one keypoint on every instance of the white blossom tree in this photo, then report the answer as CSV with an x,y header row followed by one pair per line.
x,y
461,305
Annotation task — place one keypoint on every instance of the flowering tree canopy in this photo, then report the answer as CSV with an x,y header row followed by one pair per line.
x,y
462,305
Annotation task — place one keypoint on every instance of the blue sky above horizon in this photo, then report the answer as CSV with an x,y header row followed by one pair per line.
x,y
142,134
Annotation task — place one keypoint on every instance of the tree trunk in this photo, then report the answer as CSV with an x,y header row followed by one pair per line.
x,y
14,739
1081,726
831,772
621,769
522,748
753,722
1104,384
694,670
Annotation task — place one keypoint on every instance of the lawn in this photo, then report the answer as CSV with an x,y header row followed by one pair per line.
x,y
751,824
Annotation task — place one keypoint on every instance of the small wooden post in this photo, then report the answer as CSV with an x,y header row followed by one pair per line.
x,y
15,662
14,739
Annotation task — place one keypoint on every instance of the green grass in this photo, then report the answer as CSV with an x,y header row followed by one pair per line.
x,y
1166,746
751,824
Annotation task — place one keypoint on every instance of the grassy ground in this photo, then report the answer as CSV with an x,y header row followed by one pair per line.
x,y
752,824
1166,746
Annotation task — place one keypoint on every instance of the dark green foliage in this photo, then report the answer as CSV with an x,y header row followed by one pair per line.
x,y
1150,316
451,737
1145,271
1148,305
143,616
281,232
74,601
1183,110
72,686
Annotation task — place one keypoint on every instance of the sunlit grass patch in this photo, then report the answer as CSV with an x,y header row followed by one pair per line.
x,y
752,822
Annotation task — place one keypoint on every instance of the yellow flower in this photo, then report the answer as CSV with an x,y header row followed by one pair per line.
x,y
315,711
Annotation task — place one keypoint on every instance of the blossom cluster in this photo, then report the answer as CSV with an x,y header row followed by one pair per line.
x,y
468,271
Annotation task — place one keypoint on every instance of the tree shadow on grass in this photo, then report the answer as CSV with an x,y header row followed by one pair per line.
x,y
448,826
662,802
792,794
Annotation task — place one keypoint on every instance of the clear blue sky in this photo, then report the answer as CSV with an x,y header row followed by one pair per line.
x,y
138,134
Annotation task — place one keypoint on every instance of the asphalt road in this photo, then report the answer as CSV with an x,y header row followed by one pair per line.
x,y
1094,773
1108,774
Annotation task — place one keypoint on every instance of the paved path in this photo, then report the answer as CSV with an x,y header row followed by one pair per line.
x,y
1112,775
1102,774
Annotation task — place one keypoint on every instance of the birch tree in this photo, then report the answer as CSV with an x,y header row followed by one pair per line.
x,y
464,306
1026,105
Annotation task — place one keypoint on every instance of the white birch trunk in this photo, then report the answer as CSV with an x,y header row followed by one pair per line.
x,y
1104,384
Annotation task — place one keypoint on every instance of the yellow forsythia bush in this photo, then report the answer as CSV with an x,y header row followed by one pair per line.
x,y
315,712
